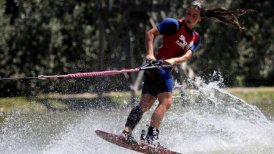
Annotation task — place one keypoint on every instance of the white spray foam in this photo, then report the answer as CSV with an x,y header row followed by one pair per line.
x,y
205,120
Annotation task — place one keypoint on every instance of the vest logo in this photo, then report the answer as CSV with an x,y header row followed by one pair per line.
x,y
182,41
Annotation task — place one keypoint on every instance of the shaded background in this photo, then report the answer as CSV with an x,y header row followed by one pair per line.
x,y
60,37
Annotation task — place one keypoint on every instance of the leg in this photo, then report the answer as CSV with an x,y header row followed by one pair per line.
x,y
136,113
165,101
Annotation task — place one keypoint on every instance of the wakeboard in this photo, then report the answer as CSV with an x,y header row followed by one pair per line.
x,y
139,147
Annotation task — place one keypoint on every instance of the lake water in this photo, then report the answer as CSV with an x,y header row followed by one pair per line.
x,y
207,120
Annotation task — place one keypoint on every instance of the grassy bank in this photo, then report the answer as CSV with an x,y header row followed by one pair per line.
x,y
254,95
20,103
57,102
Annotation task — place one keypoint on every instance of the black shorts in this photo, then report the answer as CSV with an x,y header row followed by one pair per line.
x,y
157,81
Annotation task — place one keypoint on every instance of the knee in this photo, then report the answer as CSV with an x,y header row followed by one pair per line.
x,y
144,108
165,105
168,104
165,100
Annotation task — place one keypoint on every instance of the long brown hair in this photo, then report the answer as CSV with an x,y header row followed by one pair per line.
x,y
230,17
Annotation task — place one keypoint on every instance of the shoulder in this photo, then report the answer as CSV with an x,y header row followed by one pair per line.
x,y
196,33
171,21
168,26
197,38
196,42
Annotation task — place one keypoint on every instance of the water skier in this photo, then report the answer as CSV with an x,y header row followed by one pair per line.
x,y
180,41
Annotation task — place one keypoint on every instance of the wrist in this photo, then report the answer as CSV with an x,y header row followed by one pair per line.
x,y
170,61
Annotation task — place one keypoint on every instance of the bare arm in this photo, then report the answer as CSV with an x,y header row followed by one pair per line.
x,y
179,60
150,35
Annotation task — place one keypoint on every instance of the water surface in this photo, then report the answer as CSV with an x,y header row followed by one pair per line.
x,y
206,121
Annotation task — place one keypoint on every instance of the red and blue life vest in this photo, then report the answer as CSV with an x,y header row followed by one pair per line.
x,y
177,43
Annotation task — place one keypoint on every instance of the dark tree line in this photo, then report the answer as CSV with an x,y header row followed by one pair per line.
x,y
60,37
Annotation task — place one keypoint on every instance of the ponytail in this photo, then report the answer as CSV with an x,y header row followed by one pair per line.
x,y
226,16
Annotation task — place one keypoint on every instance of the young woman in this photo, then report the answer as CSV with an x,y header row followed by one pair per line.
x,y
180,41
